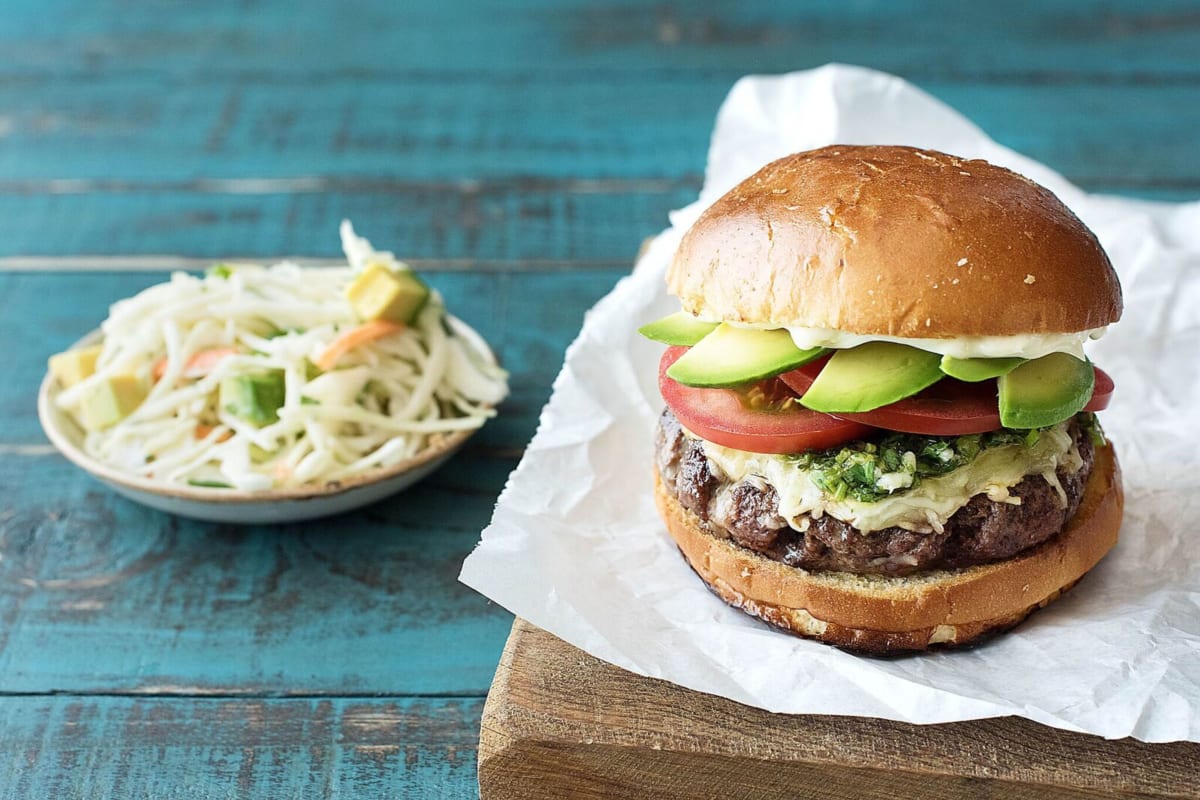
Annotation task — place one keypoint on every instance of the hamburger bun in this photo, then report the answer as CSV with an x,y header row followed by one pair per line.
x,y
895,241
885,615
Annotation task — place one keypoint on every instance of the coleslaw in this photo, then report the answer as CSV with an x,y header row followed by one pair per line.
x,y
254,378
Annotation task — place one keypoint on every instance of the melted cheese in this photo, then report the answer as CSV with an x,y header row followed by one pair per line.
x,y
923,509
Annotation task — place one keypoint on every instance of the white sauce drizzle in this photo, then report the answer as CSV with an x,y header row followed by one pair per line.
x,y
1032,345
1028,346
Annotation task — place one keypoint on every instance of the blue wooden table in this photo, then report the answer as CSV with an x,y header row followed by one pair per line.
x,y
518,152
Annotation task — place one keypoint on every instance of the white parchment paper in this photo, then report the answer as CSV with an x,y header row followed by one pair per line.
x,y
576,547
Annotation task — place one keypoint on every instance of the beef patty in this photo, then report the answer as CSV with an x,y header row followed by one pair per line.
x,y
980,532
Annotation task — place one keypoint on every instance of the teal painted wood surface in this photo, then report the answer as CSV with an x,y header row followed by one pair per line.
x,y
122,748
1121,40
521,151
509,221
158,602
102,595
368,130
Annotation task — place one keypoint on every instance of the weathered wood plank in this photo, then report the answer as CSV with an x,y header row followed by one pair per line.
x,y
151,129
98,594
119,748
507,221
559,723
499,223
1059,39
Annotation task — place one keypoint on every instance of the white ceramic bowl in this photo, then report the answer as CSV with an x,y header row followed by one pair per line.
x,y
232,505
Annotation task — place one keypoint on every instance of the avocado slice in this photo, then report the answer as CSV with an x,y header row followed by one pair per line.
x,y
1045,391
680,328
255,397
382,293
110,401
871,375
974,370
730,356
71,367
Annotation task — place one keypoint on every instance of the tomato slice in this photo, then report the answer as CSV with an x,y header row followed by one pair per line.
x,y
799,380
723,417
948,408
1102,394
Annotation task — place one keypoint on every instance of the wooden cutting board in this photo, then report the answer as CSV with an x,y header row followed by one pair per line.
x,y
561,724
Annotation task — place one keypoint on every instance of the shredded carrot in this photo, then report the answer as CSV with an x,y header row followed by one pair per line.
x,y
204,430
200,364
356,337
281,472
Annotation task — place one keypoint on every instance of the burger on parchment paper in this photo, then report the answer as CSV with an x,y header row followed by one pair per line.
x,y
880,427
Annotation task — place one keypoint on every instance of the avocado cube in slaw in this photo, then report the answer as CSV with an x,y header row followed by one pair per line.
x,y
382,293
255,397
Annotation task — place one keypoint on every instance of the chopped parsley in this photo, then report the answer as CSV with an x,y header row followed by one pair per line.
x,y
869,470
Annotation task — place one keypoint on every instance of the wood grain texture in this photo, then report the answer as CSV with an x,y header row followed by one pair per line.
x,y
1118,40
559,723
123,748
536,131
509,223
455,128
577,221
100,594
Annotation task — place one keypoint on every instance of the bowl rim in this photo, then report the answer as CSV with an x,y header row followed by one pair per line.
x,y
441,445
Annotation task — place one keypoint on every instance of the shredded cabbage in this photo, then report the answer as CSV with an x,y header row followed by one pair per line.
x,y
383,402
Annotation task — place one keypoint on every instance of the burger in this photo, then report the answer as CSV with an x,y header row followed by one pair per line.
x,y
880,424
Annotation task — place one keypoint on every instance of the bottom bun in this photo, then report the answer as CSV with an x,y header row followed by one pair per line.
x,y
883,615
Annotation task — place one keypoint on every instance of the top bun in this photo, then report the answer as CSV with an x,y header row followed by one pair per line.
x,y
895,241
